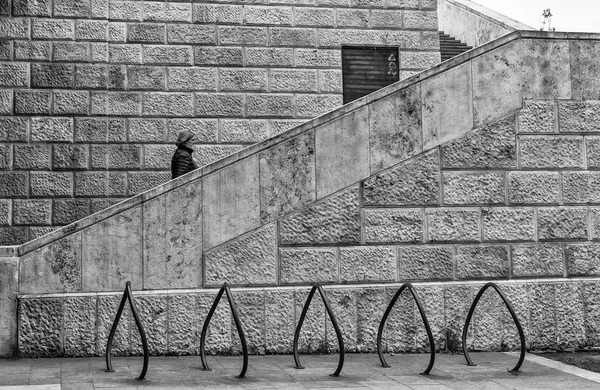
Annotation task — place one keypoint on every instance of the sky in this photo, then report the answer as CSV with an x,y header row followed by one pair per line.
x,y
568,15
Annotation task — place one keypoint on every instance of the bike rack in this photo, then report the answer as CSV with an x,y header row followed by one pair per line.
x,y
514,317
338,333
423,317
238,325
127,295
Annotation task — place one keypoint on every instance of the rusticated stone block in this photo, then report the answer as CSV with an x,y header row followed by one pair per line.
x,y
388,145
70,51
125,156
99,157
287,176
310,106
422,20
5,212
40,326
270,105
14,75
91,184
153,311
218,13
593,152
536,116
13,235
27,8
32,102
244,130
491,146
32,51
570,315
294,37
270,15
71,8
183,325
242,35
207,154
247,260
486,323
334,220
362,264
51,184
386,19
370,306
582,259
66,211
279,126
453,225
225,56
71,156
533,187
308,58
508,224
158,156
474,187
123,103
345,37
99,51
70,102
6,157
457,302
343,305
419,60
108,305
393,225
591,297
52,75
401,326
125,53
143,181
15,28
535,260
432,298
91,76
279,320
170,55
91,30
313,334
243,79
309,16
146,32
146,77
595,222
205,130
112,252
518,296
14,184
117,32
415,182
308,265
53,268
79,326
434,262
31,212
38,231
483,261
551,151
6,102
31,156
271,57
581,187
218,338
91,129
352,17
6,50
562,223
192,79
578,116
13,129
293,80
251,312
147,130
228,105
330,81
124,10
542,316
52,129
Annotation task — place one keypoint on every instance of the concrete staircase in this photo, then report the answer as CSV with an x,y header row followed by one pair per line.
x,y
451,47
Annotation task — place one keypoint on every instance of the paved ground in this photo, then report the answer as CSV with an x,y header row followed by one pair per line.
x,y
277,372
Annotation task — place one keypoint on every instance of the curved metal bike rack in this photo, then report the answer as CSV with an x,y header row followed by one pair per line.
x,y
338,333
423,317
127,295
514,317
238,325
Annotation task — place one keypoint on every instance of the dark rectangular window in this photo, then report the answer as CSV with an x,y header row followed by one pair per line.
x,y
367,69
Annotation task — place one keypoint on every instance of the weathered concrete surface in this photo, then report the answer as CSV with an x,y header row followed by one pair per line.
x,y
9,287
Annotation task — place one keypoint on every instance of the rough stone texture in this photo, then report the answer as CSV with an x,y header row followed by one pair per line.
x,y
343,305
453,225
293,80
9,287
143,181
308,265
415,182
370,306
508,224
79,326
66,211
251,312
395,133
312,334
249,259
474,187
31,156
447,105
592,314
279,320
393,225
551,152
481,262
593,152
31,212
13,184
578,117
5,212
287,176
108,305
581,187
535,260
595,222
490,146
153,312
32,102
218,338
432,299
334,220
244,131
570,325
582,259
183,325
40,327
542,311
401,325
112,252
53,268
367,264
435,262
533,187
562,223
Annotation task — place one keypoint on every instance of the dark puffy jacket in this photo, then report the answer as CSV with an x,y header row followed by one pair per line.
x,y
182,162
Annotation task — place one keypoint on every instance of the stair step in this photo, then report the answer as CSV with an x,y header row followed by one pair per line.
x,y
450,46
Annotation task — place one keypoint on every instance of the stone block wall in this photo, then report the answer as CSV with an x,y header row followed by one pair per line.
x,y
94,92
481,168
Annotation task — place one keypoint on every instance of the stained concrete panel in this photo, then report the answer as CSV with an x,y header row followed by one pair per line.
x,y
9,279
447,105
585,67
231,202
342,149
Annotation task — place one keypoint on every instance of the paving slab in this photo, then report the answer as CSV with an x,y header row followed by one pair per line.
x,y
360,371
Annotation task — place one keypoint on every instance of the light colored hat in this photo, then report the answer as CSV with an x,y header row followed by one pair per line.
x,y
184,137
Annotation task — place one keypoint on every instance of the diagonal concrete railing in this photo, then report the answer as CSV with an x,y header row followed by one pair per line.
x,y
189,232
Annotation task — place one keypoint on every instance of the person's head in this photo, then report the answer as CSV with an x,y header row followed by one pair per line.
x,y
185,138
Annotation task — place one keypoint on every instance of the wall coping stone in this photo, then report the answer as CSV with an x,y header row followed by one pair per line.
x,y
490,15
258,147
